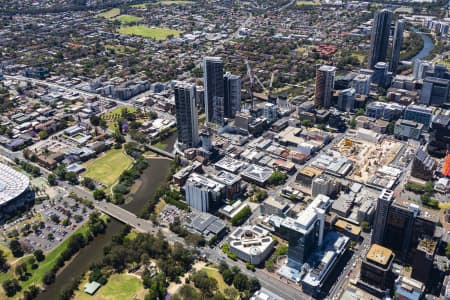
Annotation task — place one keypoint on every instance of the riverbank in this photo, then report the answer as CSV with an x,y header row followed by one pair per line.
x,y
151,179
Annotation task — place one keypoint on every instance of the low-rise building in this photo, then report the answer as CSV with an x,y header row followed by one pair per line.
x,y
278,207
408,289
258,175
251,244
405,129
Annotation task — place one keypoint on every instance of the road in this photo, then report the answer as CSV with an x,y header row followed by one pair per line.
x,y
268,280
336,289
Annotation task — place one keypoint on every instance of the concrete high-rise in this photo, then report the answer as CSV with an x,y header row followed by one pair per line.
x,y
383,203
305,233
420,68
214,89
361,84
434,91
232,94
186,114
400,224
202,193
396,46
379,39
346,99
324,85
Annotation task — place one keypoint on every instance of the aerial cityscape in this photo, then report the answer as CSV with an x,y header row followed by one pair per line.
x,y
226,150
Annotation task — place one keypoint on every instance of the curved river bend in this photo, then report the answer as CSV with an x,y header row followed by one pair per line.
x,y
152,177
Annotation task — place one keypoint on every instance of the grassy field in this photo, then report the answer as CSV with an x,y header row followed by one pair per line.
x,y
307,3
148,32
444,205
119,286
214,273
167,2
108,167
38,274
112,13
128,19
140,5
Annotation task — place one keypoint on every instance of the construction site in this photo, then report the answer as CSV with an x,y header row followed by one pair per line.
x,y
368,157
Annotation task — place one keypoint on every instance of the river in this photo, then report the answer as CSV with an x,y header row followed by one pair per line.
x,y
428,46
151,178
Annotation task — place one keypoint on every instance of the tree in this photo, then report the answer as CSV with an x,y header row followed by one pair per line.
x,y
390,128
156,285
89,183
31,293
99,194
43,134
241,216
51,178
277,178
49,277
447,250
365,226
96,224
55,218
253,285
240,282
61,171
39,254
429,187
228,276
95,120
21,270
205,284
71,177
3,261
353,122
11,287
16,248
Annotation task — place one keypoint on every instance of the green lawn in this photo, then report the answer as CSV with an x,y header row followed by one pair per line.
x,y
131,235
44,266
110,13
108,167
307,3
119,286
164,2
214,273
148,32
115,115
128,19
141,5
160,145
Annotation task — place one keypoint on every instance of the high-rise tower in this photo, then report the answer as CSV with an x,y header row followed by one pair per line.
x,y
186,114
214,90
396,46
380,37
324,85
232,93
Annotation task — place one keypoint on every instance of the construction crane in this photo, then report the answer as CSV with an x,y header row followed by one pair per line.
x,y
260,83
252,82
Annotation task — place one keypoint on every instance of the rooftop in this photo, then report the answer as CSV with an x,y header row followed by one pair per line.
x,y
379,254
12,183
